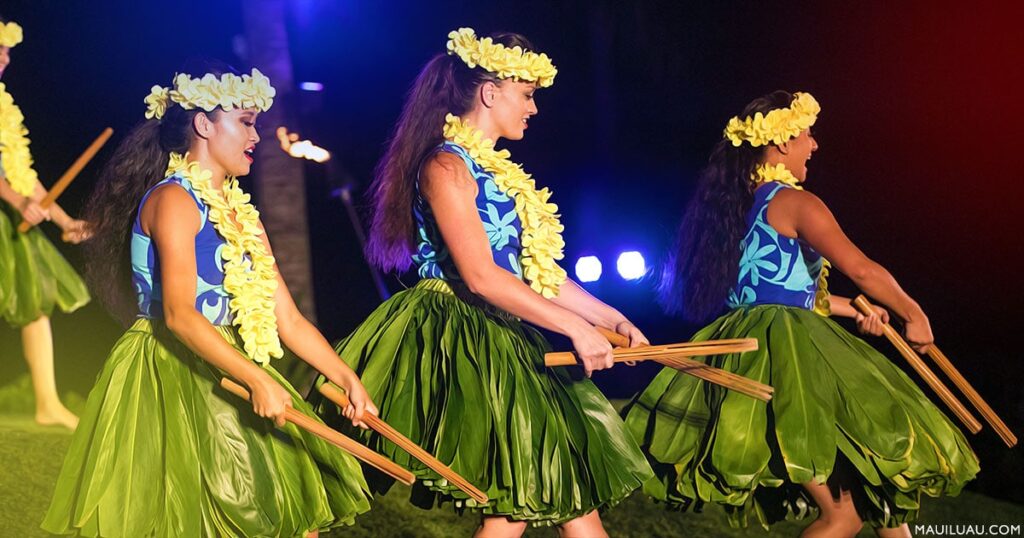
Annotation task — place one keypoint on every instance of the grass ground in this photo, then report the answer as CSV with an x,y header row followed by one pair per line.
x,y
30,458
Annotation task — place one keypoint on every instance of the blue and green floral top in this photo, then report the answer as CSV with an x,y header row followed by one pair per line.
x,y
497,211
774,269
211,298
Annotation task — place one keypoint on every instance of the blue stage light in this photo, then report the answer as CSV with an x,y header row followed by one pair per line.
x,y
311,86
588,269
631,265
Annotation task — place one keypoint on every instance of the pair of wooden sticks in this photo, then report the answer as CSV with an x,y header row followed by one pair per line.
x,y
332,436
392,469
70,174
862,304
334,394
678,356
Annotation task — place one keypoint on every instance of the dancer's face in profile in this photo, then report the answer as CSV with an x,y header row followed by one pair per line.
x,y
232,138
511,105
5,59
799,151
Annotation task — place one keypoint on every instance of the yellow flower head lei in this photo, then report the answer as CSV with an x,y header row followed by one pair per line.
x,y
17,159
766,173
777,126
542,232
228,92
514,63
10,34
249,275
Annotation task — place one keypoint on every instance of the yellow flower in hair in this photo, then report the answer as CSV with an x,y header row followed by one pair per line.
x,y
207,93
777,126
541,238
257,91
156,102
10,34
514,63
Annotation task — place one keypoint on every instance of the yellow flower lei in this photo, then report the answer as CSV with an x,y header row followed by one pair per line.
x,y
542,232
10,34
228,92
17,159
766,173
250,280
777,126
514,63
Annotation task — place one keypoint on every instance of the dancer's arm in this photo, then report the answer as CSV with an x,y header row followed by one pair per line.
x,y
170,217
31,212
574,298
843,307
300,336
451,192
803,215
74,229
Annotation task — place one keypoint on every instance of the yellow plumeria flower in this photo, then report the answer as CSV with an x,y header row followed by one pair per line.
x,y
10,34
156,102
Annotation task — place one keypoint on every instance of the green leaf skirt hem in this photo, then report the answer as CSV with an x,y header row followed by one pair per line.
x,y
162,450
834,395
34,277
467,383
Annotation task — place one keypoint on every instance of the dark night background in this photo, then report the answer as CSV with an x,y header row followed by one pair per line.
x,y
919,140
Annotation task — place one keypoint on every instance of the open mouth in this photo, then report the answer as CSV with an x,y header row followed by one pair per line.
x,y
248,154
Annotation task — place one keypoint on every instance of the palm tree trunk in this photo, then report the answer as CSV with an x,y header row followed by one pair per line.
x,y
280,181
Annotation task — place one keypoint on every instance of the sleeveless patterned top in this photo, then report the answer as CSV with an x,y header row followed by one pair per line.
x,y
211,299
497,210
774,269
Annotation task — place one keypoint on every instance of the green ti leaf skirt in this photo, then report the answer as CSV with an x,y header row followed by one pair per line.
x,y
34,277
468,383
834,396
163,451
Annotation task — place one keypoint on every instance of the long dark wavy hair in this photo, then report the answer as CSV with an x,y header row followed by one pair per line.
x,y
444,85
704,261
138,163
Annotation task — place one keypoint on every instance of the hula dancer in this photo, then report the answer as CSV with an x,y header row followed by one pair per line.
x,y
452,361
846,431
34,277
162,450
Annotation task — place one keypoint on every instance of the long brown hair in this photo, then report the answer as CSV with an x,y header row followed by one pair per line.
x,y
445,85
138,163
704,261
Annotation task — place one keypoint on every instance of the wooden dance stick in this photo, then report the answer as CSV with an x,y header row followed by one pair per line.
x,y
334,394
717,376
861,303
961,383
71,173
682,349
678,356
332,436
979,403
701,370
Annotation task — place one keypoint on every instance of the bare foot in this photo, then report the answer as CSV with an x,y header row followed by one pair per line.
x,y
59,416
